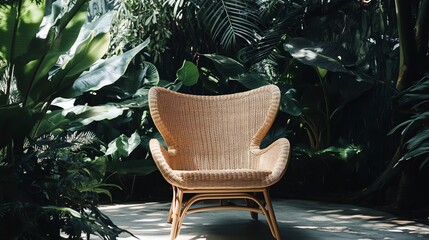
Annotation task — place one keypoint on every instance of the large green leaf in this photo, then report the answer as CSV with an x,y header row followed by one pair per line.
x,y
103,73
329,56
74,117
227,67
14,41
53,122
87,53
133,83
34,66
60,22
122,146
230,69
83,115
90,29
60,29
91,44
188,74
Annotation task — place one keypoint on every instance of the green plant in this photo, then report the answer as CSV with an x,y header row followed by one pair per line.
x,y
230,22
136,20
50,66
54,191
413,103
413,64
322,99
330,170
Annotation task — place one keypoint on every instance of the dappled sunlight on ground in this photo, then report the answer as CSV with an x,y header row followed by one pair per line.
x,y
296,219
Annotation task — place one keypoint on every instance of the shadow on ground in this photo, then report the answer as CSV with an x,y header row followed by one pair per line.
x,y
297,220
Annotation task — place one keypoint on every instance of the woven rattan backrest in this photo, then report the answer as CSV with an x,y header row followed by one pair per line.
x,y
213,132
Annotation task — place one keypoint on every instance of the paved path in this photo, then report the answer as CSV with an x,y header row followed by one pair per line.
x,y
297,219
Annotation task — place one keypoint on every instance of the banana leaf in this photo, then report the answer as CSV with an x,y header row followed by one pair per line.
x,y
17,28
103,73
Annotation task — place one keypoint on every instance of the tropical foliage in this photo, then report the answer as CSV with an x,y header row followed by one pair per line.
x,y
55,188
52,167
343,64
136,20
74,111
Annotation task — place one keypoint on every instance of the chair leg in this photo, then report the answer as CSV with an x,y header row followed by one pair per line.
x,y
170,213
177,209
271,216
252,204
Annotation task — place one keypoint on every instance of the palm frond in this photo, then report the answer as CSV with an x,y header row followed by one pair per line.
x,y
230,22
265,46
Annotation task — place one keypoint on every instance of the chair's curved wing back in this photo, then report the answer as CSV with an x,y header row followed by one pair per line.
x,y
213,132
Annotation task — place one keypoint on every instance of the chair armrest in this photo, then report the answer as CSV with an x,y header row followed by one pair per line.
x,y
274,158
162,160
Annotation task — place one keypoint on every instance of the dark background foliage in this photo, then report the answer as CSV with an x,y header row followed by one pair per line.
x,y
353,77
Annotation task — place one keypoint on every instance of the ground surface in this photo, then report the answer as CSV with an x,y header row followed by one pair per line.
x,y
297,219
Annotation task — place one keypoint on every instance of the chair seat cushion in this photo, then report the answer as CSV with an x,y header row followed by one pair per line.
x,y
223,178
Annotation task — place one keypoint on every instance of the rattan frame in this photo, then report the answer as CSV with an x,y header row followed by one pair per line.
x,y
245,175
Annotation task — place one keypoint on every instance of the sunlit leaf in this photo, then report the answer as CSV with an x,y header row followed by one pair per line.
x,y
70,211
329,56
28,25
84,115
61,28
34,66
122,146
102,73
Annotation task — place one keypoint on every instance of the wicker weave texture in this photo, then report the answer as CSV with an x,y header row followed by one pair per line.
x,y
213,141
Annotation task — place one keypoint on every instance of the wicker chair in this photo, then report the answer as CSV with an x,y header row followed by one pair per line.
x,y
213,150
